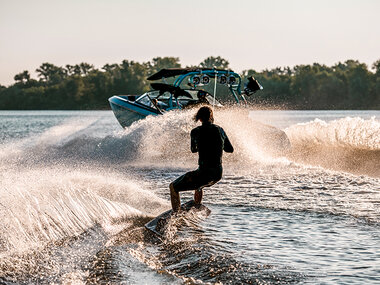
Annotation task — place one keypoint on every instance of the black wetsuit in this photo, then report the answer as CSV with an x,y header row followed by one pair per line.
x,y
209,140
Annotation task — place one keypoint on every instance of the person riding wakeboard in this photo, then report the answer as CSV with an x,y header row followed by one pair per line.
x,y
209,140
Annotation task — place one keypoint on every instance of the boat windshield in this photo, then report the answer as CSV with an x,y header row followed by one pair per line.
x,y
152,94
162,100
186,101
145,100
165,100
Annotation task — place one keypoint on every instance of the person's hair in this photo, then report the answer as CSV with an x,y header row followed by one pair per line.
x,y
204,114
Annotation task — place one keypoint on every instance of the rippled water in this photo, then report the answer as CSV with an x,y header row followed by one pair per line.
x,y
76,190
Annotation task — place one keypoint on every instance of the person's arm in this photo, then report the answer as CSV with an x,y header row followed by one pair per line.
x,y
227,144
194,141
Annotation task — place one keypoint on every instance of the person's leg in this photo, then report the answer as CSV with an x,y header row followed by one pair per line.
x,y
206,178
175,199
198,194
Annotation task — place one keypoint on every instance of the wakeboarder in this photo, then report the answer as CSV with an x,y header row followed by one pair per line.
x,y
209,140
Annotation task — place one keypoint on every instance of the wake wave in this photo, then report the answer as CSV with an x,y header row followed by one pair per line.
x,y
348,144
81,177
60,183
355,133
44,205
161,140
165,140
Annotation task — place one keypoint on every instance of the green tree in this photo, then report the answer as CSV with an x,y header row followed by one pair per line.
x,y
276,84
376,67
375,90
75,88
86,68
159,63
303,83
82,69
358,83
72,69
133,77
51,73
101,83
344,85
110,67
214,62
22,77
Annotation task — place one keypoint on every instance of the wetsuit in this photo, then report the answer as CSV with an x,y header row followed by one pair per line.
x,y
209,140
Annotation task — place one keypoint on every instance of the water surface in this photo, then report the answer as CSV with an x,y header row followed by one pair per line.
x,y
76,190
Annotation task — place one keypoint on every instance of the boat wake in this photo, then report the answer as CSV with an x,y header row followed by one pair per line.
x,y
78,190
348,144
63,183
45,205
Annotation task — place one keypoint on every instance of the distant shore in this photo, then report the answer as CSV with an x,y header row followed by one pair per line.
x,y
345,86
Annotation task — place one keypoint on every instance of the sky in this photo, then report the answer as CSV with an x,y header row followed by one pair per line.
x,y
250,34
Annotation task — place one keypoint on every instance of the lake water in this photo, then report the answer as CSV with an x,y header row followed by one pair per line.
x,y
76,190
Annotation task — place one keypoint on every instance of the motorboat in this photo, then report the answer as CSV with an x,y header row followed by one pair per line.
x,y
182,88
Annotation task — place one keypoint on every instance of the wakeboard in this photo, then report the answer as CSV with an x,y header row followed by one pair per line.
x,y
157,225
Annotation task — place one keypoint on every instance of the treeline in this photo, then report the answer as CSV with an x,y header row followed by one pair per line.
x,y
348,85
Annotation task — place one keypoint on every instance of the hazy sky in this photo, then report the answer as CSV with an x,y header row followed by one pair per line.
x,y
248,33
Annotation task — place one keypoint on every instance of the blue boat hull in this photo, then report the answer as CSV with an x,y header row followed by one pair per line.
x,y
127,112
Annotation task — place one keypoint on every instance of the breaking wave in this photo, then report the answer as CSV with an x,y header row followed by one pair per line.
x,y
348,144
45,205
154,140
